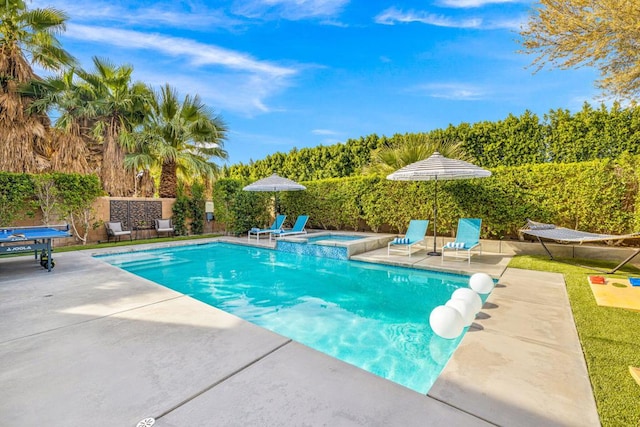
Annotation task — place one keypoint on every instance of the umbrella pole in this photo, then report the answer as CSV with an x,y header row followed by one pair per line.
x,y
435,221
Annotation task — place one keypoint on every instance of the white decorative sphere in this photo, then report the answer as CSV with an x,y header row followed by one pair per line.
x,y
482,283
446,322
464,308
470,297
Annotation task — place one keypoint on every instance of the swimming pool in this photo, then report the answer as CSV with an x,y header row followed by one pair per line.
x,y
372,316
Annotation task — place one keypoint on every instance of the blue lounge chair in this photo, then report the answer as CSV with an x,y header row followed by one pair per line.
x,y
277,225
298,228
414,236
467,238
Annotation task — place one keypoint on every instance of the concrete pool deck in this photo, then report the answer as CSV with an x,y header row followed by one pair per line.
x,y
89,343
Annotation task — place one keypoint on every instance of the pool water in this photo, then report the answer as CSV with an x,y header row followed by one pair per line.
x,y
372,316
333,237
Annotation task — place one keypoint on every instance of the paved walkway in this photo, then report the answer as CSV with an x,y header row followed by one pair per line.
x,y
89,344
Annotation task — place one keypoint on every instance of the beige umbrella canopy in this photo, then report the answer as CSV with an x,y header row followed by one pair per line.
x,y
274,183
435,168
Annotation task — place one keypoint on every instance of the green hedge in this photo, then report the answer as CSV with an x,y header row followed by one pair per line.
x,y
599,196
16,193
239,210
560,136
19,199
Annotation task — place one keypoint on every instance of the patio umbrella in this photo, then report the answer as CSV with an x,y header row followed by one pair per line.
x,y
274,183
435,168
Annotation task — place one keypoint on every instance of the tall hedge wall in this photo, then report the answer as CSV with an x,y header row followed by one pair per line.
x,y
599,196
19,199
560,136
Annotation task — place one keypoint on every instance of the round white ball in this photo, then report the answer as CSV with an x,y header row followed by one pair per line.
x,y
470,297
464,308
446,322
482,283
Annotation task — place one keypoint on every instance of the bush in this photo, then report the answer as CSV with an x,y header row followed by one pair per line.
x,y
599,196
180,212
16,193
196,209
69,196
240,210
77,194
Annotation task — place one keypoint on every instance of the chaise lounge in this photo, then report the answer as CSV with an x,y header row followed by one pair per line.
x,y
277,225
414,236
467,238
298,228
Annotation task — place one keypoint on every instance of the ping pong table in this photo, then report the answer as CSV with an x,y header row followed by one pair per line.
x,y
27,239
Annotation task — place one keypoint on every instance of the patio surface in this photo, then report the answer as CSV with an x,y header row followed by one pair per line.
x,y
91,344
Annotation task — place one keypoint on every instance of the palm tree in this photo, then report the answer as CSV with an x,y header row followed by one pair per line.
x,y
402,150
26,36
115,106
70,140
179,139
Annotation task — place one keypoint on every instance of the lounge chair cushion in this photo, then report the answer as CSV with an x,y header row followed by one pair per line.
x,y
115,229
455,245
401,241
164,224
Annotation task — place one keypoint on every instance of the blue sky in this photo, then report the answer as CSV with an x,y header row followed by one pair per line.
x,y
299,73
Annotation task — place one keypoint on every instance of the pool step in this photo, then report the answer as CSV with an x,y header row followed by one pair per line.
x,y
146,263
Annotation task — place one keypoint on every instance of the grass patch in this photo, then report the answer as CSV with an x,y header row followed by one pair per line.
x,y
610,338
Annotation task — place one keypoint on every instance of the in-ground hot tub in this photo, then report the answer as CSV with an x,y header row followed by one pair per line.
x,y
333,244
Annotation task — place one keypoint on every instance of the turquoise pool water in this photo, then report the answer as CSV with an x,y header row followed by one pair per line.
x,y
372,316
334,237
326,245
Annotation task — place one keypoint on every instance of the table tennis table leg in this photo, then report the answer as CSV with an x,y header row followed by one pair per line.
x,y
48,254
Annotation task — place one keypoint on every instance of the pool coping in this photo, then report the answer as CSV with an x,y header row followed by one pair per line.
x,y
264,378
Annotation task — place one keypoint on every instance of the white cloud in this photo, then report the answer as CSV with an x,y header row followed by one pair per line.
x,y
198,53
515,24
326,132
392,16
290,9
225,79
472,3
452,91
157,15
222,92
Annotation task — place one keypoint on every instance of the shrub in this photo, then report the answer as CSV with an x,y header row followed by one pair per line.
x,y
599,196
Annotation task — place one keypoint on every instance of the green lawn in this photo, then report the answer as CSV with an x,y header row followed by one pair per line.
x,y
610,339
